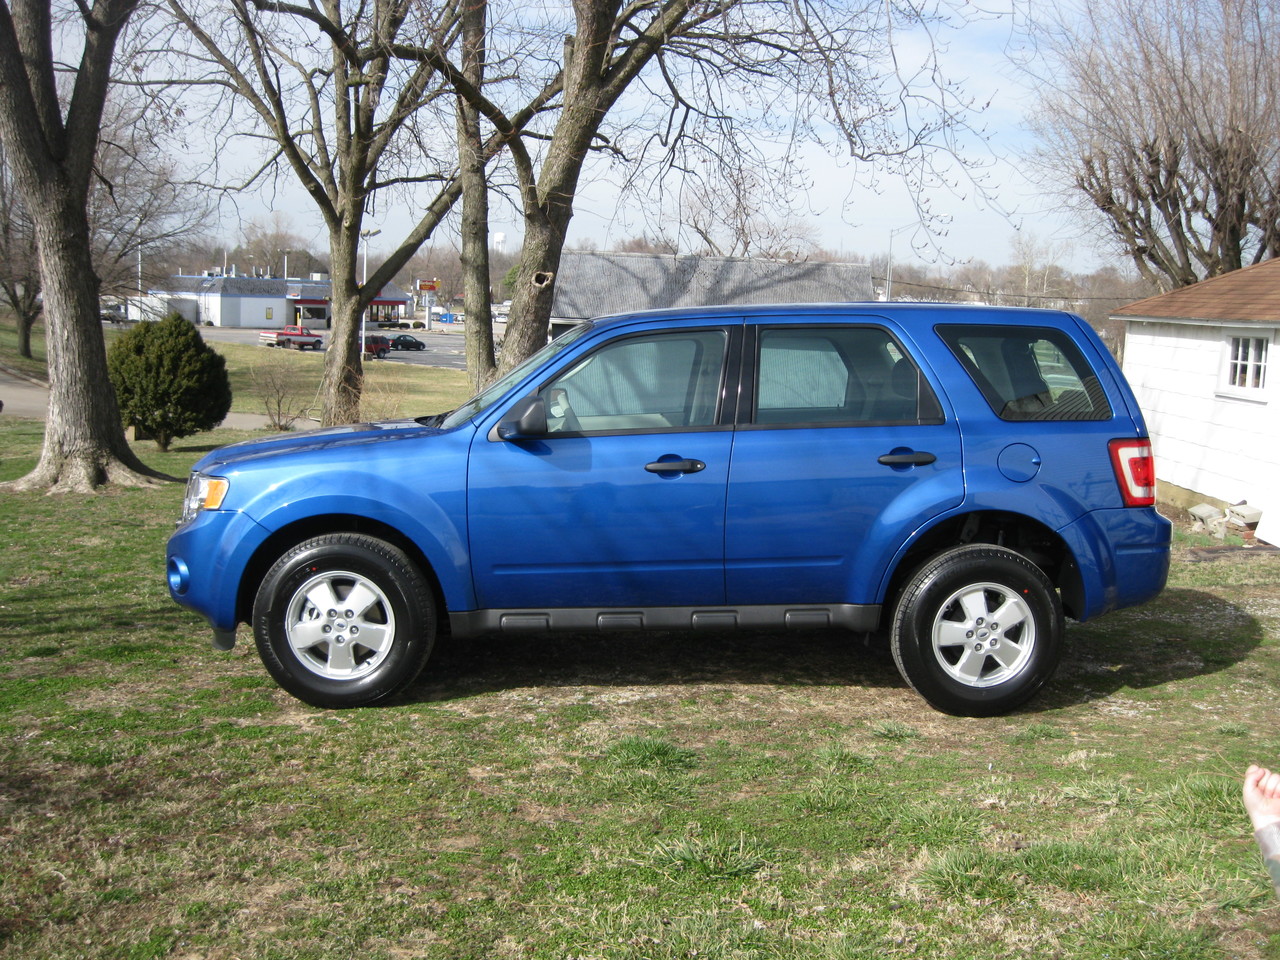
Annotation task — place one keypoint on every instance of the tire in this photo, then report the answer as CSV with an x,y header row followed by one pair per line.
x,y
382,353
344,620
977,630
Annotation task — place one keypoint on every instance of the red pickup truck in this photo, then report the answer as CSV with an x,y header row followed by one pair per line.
x,y
292,336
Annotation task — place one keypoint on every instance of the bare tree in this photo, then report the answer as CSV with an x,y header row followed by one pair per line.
x,y
745,211
1161,123
19,259
139,205
266,245
322,93
701,79
50,144
138,211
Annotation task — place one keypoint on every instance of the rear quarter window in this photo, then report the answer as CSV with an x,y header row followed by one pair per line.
x,y
1028,373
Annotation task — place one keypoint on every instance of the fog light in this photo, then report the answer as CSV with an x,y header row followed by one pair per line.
x,y
179,576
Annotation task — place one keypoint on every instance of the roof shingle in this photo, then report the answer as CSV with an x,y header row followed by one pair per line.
x,y
1251,295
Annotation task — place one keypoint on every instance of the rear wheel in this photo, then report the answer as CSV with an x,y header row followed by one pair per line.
x,y
344,620
977,630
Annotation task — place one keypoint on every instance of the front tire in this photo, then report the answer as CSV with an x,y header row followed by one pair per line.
x,y
977,630
344,620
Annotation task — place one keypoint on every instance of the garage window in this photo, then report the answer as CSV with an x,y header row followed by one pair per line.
x,y
1247,363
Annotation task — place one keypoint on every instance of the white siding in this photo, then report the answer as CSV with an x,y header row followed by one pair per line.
x,y
1221,447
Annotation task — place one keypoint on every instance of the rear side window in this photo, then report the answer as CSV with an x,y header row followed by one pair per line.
x,y
1028,373
838,375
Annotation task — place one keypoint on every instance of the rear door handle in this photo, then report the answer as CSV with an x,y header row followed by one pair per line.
x,y
917,458
675,466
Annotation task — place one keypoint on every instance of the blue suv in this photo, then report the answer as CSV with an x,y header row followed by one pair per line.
x,y
958,478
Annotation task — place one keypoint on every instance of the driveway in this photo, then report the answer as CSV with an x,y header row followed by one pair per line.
x,y
22,398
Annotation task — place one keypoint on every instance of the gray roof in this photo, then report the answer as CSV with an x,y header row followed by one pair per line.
x,y
278,287
597,284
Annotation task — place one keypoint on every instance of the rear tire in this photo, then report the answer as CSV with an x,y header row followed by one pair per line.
x,y
344,620
977,630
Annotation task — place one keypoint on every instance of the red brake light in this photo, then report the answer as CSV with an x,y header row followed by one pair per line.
x,y
1135,470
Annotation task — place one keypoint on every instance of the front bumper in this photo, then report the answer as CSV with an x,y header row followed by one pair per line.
x,y
205,564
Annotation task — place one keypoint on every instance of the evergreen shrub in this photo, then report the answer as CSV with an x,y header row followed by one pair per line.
x,y
169,382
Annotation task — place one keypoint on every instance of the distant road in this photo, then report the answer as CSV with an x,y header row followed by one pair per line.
x,y
444,348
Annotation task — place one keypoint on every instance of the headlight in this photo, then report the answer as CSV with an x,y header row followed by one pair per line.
x,y
203,493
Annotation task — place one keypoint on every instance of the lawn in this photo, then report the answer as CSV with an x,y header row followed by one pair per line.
x,y
391,389
754,796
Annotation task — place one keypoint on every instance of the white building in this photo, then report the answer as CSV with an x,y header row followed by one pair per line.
x,y
1198,360
261,302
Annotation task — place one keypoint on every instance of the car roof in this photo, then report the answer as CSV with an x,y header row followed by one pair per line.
x,y
906,312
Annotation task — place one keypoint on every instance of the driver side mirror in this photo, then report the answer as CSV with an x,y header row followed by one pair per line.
x,y
526,420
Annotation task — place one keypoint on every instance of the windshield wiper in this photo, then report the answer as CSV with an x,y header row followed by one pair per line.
x,y
432,419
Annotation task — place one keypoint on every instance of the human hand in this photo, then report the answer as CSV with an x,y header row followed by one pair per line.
x,y
1262,796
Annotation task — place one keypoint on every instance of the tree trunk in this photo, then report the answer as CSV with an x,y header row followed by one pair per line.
x,y
26,320
477,296
344,363
530,315
84,445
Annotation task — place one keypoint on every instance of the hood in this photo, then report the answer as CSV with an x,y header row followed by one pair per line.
x,y
355,434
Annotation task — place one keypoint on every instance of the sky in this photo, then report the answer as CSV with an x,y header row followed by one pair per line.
x,y
849,212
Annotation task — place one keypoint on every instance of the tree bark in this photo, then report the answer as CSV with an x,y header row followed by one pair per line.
x,y
344,364
84,444
476,294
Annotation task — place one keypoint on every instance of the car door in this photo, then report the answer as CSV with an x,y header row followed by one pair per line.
x,y
842,452
621,503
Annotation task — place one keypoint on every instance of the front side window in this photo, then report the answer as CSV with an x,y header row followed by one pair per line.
x,y
1028,373
644,383
1247,363
837,375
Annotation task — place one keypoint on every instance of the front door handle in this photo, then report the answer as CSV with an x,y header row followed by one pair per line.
x,y
917,458
675,466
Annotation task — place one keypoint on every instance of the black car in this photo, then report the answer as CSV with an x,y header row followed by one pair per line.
x,y
406,342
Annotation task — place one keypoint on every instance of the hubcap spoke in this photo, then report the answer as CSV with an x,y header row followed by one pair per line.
x,y
376,637
970,665
306,634
321,596
949,633
1012,613
974,604
360,599
341,658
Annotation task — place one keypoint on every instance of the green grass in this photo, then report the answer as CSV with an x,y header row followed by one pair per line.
x,y
391,389
664,796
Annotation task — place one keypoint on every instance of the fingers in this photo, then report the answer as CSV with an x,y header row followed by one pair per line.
x,y
1263,782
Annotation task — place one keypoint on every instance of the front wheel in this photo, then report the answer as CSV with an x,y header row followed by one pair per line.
x,y
344,620
977,630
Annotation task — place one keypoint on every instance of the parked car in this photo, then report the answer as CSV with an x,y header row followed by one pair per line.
x,y
376,345
292,335
956,478
406,341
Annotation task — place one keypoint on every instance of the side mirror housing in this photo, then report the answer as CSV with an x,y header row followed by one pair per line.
x,y
526,420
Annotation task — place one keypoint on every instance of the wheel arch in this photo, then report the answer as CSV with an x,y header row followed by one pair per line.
x,y
1018,532
292,534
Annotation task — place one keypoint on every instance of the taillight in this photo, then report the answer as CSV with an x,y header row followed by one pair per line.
x,y
1135,469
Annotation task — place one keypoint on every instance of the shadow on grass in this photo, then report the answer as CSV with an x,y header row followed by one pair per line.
x,y
1183,634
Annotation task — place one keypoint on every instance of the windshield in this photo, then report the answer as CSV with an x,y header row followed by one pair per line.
x,y
481,401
